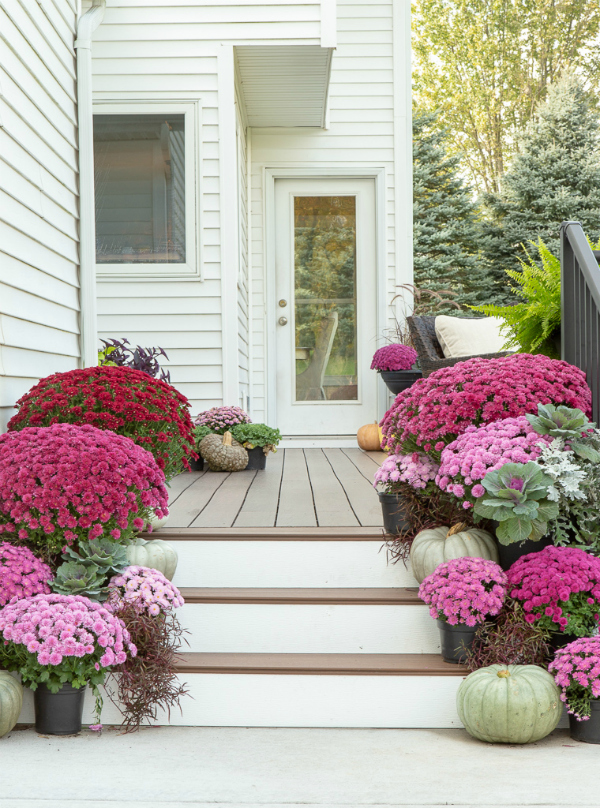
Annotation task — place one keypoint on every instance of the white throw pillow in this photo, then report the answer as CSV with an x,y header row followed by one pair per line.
x,y
459,336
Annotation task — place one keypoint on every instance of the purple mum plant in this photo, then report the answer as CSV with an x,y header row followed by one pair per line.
x,y
221,419
394,357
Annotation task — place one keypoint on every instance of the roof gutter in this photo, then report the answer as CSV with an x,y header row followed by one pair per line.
x,y
87,224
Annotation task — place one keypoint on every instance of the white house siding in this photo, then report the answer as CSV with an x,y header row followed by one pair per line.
x,y
39,299
150,49
360,134
243,279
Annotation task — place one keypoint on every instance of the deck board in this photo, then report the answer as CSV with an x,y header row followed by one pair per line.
x,y
260,506
331,502
224,506
365,464
194,499
296,505
360,491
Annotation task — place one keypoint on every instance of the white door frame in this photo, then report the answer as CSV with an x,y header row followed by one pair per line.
x,y
318,173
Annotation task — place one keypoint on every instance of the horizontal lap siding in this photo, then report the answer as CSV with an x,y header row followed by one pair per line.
x,y
243,291
39,290
361,134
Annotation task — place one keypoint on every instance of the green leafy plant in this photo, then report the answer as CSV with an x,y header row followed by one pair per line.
x,y
200,432
569,425
517,498
257,435
73,578
87,570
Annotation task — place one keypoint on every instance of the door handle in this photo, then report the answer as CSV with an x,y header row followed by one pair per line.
x,y
282,321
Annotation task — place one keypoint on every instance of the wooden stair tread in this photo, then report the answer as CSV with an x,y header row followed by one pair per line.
x,y
267,534
335,596
320,664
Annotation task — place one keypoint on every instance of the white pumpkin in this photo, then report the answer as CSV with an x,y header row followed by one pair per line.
x,y
431,548
156,522
11,701
156,554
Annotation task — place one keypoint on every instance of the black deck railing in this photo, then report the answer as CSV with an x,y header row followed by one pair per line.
x,y
580,327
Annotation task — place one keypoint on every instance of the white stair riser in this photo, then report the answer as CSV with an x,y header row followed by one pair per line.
x,y
287,564
271,700
309,629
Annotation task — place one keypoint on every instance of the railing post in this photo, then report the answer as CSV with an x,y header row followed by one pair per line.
x,y
567,281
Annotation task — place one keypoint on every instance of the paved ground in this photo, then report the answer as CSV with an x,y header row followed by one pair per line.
x,y
289,768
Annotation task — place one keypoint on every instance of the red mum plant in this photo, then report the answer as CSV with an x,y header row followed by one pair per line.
x,y
434,411
131,403
67,483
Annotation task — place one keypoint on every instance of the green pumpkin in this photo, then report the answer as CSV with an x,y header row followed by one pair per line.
x,y
157,554
509,704
11,701
432,547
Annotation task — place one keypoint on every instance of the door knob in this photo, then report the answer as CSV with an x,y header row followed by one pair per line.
x,y
283,321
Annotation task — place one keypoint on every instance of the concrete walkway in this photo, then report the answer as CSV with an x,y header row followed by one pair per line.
x,y
293,768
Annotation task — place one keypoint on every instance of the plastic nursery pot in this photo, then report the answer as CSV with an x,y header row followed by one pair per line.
x,y
197,465
257,459
558,639
399,380
393,509
58,713
509,553
587,731
455,640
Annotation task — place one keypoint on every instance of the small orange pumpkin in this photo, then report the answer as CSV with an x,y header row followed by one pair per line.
x,y
368,437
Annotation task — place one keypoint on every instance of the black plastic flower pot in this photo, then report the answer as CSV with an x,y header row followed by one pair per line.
x,y
558,639
257,459
587,731
197,465
509,553
399,380
393,509
58,713
456,641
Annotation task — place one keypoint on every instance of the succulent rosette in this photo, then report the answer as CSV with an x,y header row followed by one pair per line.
x,y
576,669
65,483
394,357
222,419
129,402
416,470
22,574
146,588
465,590
559,588
436,410
479,450
53,639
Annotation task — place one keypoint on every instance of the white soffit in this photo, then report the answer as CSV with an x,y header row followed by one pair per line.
x,y
285,86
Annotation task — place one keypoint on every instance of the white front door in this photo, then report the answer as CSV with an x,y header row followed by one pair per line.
x,y
326,305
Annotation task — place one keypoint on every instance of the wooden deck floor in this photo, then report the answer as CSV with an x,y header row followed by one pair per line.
x,y
299,488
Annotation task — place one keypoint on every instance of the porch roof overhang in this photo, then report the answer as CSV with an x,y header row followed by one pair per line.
x,y
285,86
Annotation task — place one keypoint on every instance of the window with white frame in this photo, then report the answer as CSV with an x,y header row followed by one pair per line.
x,y
145,167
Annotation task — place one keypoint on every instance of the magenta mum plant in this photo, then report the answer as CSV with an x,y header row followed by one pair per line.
x,y
22,574
221,419
64,483
394,357
417,470
479,450
560,588
147,589
54,639
464,590
577,672
436,410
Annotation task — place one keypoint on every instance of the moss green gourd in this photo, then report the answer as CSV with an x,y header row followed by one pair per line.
x,y
509,704
11,701
434,546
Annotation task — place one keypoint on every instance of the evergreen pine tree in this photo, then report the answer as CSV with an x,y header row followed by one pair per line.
x,y
445,225
555,177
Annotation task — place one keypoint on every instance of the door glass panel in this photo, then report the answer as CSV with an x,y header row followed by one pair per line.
x,y
325,298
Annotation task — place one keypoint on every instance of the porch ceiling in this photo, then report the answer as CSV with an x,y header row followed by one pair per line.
x,y
285,86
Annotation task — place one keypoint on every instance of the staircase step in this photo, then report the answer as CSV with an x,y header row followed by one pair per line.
x,y
408,596
267,534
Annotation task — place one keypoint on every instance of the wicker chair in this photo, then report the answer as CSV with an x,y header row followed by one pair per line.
x,y
431,356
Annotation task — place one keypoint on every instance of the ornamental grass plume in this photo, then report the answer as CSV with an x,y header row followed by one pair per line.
x,y
221,419
417,470
479,450
22,574
559,588
129,402
436,410
66,483
394,357
464,590
577,673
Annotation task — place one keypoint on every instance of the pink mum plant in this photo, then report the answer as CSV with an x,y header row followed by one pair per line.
x,y
464,590
64,483
394,357
146,588
22,574
436,410
221,419
417,470
466,461
577,672
560,588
